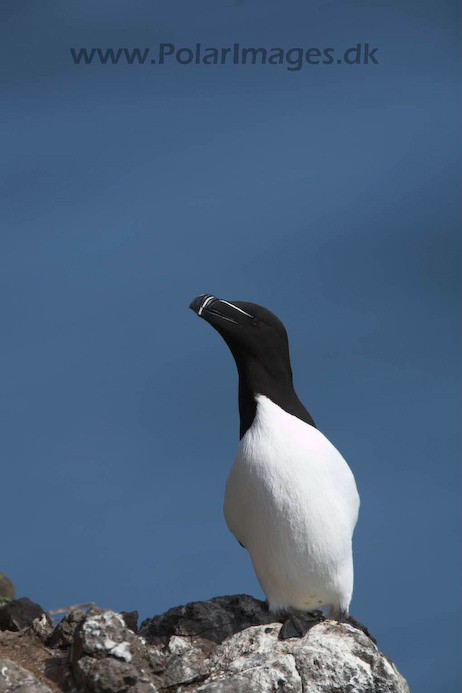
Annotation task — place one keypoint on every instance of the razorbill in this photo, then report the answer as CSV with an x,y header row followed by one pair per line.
x,y
290,498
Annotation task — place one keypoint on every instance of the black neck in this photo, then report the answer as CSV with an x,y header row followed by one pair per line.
x,y
277,386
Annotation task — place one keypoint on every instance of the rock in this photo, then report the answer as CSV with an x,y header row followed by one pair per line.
x,y
185,664
19,614
63,635
131,620
106,675
42,627
265,675
103,633
213,620
225,645
6,589
15,678
332,657
243,653
107,657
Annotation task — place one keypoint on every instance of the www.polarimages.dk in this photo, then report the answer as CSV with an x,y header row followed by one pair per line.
x,y
293,58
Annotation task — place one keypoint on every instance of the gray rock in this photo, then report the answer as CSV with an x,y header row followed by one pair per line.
x,y
107,657
260,673
185,663
63,634
107,675
101,634
15,678
42,627
332,657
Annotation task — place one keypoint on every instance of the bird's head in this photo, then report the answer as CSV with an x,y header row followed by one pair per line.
x,y
253,333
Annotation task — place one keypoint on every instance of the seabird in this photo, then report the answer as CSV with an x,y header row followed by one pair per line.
x,y
290,498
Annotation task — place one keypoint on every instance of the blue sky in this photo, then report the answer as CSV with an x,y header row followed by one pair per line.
x,y
328,195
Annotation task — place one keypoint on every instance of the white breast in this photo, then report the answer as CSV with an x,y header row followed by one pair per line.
x,y
291,500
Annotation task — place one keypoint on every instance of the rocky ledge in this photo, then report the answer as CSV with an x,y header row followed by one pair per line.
x,y
224,645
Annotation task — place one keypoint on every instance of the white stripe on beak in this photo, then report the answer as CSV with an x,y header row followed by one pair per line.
x,y
206,302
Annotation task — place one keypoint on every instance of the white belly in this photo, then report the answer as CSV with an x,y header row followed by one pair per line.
x,y
291,500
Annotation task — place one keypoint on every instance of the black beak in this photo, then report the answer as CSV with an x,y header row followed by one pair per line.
x,y
201,301
208,306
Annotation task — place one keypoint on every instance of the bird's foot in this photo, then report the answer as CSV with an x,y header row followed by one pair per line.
x,y
297,625
359,626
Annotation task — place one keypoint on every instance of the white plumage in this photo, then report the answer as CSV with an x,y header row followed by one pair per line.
x,y
291,500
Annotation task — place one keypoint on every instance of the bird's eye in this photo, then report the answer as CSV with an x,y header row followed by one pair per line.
x,y
255,321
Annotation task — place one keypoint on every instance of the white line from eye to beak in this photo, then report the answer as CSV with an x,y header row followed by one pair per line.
x,y
206,302
235,307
